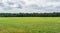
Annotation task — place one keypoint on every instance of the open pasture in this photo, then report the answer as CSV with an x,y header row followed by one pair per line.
x,y
30,25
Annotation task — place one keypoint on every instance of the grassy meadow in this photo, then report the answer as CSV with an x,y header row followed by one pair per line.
x,y
30,25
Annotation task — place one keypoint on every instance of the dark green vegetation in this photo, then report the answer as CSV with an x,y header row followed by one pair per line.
x,y
54,14
30,25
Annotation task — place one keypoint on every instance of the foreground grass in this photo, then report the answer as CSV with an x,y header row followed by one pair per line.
x,y
30,25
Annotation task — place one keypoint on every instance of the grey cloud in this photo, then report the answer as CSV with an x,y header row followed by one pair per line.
x,y
21,7
53,0
33,6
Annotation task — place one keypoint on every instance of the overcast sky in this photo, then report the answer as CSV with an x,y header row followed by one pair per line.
x,y
29,6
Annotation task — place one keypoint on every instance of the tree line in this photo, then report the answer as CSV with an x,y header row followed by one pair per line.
x,y
54,14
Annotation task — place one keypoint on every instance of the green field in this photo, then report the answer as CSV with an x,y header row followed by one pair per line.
x,y
30,25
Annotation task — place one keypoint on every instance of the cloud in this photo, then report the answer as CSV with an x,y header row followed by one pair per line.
x,y
29,5
53,0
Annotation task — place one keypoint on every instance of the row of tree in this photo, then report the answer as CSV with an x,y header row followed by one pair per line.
x,y
54,14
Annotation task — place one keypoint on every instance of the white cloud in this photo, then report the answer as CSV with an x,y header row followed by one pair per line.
x,y
16,5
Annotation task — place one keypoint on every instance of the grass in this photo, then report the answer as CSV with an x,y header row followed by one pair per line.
x,y
30,25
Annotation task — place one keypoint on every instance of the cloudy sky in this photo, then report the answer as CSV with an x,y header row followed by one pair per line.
x,y
29,6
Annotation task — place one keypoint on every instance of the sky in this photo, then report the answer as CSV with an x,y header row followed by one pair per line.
x,y
29,6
